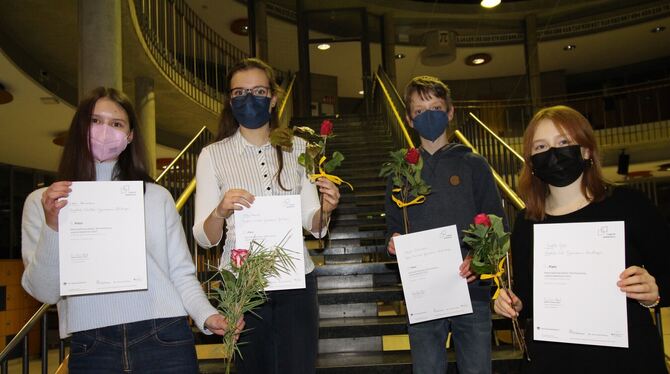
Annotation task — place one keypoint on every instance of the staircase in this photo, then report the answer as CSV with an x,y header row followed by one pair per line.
x,y
363,326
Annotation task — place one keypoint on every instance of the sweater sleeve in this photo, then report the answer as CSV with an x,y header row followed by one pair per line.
x,y
39,247
486,194
651,235
182,269
207,197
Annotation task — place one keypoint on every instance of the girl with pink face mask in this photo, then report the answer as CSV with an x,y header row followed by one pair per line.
x,y
138,331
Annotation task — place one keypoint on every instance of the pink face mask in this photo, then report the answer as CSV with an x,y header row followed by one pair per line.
x,y
107,143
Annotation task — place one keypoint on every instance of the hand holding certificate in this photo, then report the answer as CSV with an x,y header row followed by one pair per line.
x,y
101,238
275,220
429,268
575,296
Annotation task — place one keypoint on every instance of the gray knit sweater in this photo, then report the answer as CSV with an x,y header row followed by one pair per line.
x,y
173,289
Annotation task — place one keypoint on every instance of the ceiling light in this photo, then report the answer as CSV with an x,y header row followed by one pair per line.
x,y
240,27
361,92
658,29
570,47
490,3
323,46
664,167
478,59
5,96
399,56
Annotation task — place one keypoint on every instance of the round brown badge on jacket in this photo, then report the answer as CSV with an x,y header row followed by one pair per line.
x,y
455,180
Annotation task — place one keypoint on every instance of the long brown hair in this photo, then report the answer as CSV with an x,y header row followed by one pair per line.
x,y
228,125
570,122
77,162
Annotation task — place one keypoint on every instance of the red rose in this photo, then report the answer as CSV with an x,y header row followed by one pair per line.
x,y
237,257
326,127
412,156
482,219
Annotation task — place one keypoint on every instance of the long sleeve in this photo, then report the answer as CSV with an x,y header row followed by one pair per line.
x,y
310,205
182,269
521,245
485,190
650,237
207,197
39,248
393,213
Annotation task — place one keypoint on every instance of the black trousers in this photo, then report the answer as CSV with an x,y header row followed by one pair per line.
x,y
283,337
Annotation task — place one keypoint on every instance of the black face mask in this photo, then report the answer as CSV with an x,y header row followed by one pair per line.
x,y
559,167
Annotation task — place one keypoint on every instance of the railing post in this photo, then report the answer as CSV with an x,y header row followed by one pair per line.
x,y
26,362
45,348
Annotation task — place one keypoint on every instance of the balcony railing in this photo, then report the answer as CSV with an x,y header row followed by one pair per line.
x,y
609,108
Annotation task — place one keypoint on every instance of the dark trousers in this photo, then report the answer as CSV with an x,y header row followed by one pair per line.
x,y
285,337
163,345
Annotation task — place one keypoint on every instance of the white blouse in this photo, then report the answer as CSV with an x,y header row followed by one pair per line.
x,y
234,163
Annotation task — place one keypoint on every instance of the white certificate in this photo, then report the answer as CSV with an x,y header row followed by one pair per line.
x,y
101,238
429,262
575,296
273,220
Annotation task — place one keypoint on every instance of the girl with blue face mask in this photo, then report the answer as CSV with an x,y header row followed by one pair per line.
x,y
282,335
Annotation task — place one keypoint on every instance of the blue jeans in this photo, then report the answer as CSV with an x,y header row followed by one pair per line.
x,y
153,346
471,337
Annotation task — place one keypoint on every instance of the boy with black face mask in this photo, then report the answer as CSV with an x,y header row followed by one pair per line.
x,y
462,186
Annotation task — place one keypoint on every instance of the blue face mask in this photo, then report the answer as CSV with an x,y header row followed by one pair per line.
x,y
431,124
251,111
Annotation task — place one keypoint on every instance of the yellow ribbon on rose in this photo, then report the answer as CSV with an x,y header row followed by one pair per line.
x,y
401,204
496,277
333,178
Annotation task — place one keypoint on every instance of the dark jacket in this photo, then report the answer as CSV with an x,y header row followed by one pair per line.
x,y
462,186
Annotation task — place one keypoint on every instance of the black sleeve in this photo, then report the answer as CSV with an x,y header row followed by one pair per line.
x,y
521,249
393,213
650,237
487,196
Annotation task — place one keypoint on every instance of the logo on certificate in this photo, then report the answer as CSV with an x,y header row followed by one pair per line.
x,y
445,235
603,232
287,203
127,191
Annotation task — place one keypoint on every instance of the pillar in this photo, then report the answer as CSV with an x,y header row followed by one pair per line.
x,y
145,105
100,52
388,47
533,62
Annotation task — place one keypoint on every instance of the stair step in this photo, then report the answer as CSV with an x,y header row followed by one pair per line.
x,y
331,282
352,249
352,234
359,295
354,269
362,327
505,360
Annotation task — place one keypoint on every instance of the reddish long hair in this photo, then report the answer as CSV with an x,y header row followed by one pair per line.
x,y
570,122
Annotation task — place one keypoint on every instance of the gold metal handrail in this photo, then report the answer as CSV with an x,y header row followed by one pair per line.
x,y
287,95
181,154
496,137
395,111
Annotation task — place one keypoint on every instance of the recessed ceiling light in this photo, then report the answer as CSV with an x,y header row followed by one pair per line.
x,y
361,92
570,47
664,167
490,3
658,29
5,96
240,27
399,56
323,46
478,59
